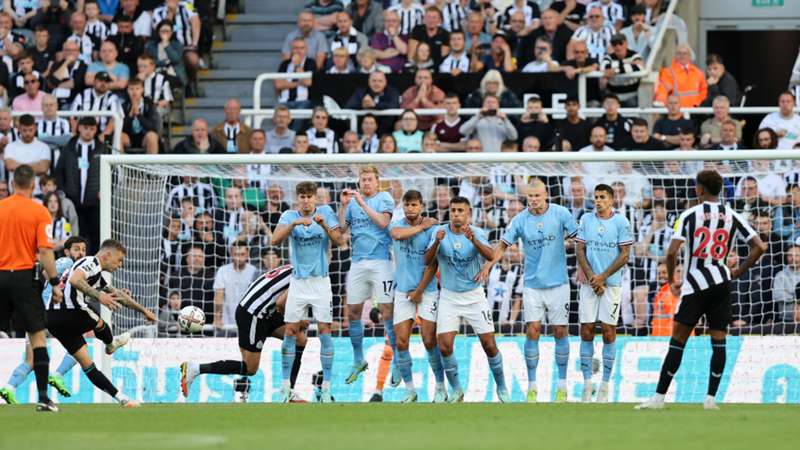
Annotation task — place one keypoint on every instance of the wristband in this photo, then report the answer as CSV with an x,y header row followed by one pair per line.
x,y
54,281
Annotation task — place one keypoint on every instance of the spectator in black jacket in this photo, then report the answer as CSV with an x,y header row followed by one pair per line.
x,y
572,133
129,46
140,127
195,281
618,128
376,95
199,141
78,174
640,137
558,33
720,81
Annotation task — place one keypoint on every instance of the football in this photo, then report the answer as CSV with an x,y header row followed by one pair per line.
x,y
191,319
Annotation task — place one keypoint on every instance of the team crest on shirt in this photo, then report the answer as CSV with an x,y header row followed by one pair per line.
x,y
601,229
540,226
260,345
457,245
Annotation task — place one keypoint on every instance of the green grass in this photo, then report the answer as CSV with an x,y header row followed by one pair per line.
x,y
394,426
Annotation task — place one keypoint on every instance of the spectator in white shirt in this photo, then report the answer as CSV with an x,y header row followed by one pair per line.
x,y
457,62
598,144
544,62
28,150
785,122
230,284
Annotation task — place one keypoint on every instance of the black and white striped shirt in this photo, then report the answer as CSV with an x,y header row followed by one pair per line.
x,y
596,41
157,88
612,12
632,62
409,18
96,277
299,93
86,46
529,9
97,30
657,246
261,297
453,62
708,231
202,193
90,100
61,229
454,16
181,23
326,141
349,42
371,145
52,127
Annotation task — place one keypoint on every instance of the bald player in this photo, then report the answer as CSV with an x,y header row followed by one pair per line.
x,y
542,230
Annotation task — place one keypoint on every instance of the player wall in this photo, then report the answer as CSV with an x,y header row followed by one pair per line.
x,y
759,370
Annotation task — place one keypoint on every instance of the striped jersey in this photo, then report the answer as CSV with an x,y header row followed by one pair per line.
x,y
612,11
181,22
261,297
409,18
55,127
454,15
597,41
96,277
708,230
91,100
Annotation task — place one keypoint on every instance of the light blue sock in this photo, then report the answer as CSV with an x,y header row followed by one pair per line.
x,y
437,366
19,374
496,364
451,370
609,355
357,340
288,349
66,365
388,326
587,351
404,365
326,355
562,357
531,360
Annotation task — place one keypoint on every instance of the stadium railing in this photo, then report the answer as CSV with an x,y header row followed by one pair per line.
x,y
117,117
257,115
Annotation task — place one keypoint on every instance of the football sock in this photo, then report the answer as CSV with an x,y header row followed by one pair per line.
x,y
717,365
298,359
388,326
101,381
672,363
404,364
67,363
435,360
41,366
531,360
384,367
587,351
19,374
451,371
287,357
104,333
496,364
609,355
326,355
562,358
357,340
225,367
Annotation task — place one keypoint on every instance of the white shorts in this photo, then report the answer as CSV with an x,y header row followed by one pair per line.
x,y
553,301
470,305
370,279
404,309
604,308
314,292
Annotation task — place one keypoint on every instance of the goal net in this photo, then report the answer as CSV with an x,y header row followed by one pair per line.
x,y
180,219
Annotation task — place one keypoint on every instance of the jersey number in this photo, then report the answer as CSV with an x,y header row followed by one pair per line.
x,y
718,241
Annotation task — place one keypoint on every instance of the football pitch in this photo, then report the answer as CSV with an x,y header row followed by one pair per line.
x,y
395,426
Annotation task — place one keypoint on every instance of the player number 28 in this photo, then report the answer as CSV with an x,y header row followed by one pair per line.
x,y
718,240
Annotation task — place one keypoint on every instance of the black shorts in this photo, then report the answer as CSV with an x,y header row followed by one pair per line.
x,y
714,303
20,297
69,326
254,331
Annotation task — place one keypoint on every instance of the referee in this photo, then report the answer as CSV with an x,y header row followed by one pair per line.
x,y
24,230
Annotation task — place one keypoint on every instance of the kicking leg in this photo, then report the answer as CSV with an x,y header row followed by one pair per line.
x,y
99,379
